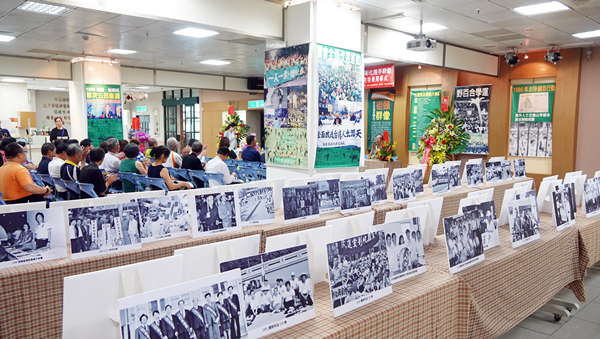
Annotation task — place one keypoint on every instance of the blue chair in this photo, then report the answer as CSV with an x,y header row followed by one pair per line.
x,y
261,174
232,168
132,178
218,177
247,174
181,174
230,162
157,184
59,183
49,181
72,189
37,179
197,176
143,179
88,189
253,164
1,200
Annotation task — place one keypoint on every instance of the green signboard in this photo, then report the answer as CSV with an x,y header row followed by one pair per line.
x,y
103,103
421,104
380,115
256,104
532,103
142,108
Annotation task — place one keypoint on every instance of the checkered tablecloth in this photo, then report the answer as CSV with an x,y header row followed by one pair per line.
x,y
589,231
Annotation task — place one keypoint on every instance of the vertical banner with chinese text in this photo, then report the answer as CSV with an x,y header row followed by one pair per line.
x,y
103,105
380,115
286,106
472,103
340,133
421,104
531,120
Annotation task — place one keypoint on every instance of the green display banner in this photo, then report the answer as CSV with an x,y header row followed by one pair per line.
x,y
532,103
103,103
380,116
337,157
421,104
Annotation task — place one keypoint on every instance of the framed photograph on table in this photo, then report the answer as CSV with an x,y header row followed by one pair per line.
x,y
523,221
519,168
164,217
328,192
563,206
440,180
377,192
591,198
404,186
300,203
255,204
488,224
474,173
355,195
507,173
464,243
493,172
214,213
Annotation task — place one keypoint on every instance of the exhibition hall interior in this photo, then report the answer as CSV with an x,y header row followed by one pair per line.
x,y
224,169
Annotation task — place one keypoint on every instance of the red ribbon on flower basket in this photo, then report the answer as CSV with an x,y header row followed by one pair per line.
x,y
429,142
230,110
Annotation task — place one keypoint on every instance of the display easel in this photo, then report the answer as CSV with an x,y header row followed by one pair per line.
x,y
420,211
434,213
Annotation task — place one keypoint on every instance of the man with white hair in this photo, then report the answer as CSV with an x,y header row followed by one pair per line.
x,y
111,161
175,159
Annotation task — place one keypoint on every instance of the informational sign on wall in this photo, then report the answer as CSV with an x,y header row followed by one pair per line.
x,y
421,104
103,103
380,115
381,76
531,120
340,133
472,103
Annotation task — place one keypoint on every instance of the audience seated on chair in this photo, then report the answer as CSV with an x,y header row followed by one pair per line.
x,y
70,170
250,153
157,170
55,165
217,165
131,165
48,153
16,184
91,173
151,144
174,159
192,161
231,154
111,163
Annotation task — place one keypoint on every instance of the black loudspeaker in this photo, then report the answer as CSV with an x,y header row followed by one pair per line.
x,y
256,83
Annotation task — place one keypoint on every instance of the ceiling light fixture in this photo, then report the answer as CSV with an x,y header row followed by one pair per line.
x,y
40,8
215,62
12,80
420,67
120,51
195,32
430,27
142,87
57,89
526,56
371,60
546,7
5,38
512,58
585,35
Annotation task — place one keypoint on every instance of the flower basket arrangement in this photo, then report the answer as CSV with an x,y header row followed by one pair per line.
x,y
242,128
386,152
443,138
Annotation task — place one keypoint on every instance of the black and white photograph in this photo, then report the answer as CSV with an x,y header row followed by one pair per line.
x,y
377,192
355,195
464,241
440,180
359,271
524,224
256,205
97,230
474,174
164,217
530,139
209,307
506,169
488,224
417,175
277,289
493,172
519,167
30,237
214,213
404,243
591,191
404,187
472,103
563,206
454,174
328,192
300,203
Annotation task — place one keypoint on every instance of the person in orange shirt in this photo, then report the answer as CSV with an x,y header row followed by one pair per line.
x,y
16,184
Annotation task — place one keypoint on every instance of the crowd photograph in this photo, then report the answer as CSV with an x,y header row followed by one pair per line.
x,y
276,286
404,187
506,166
164,217
530,139
37,235
463,238
300,202
358,267
454,175
377,190
488,224
328,192
493,171
440,180
474,174
215,212
592,197
523,221
519,168
255,205
355,194
404,244
209,308
286,146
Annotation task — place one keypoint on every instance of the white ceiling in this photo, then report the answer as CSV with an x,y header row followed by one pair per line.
x,y
494,29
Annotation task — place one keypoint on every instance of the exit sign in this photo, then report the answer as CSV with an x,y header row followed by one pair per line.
x,y
142,108
256,104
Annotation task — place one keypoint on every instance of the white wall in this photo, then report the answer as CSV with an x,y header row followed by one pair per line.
x,y
154,101
13,98
45,113
220,96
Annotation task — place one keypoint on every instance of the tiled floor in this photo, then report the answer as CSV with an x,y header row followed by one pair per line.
x,y
583,324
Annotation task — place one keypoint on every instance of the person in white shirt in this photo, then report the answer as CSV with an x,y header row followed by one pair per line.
x,y
55,165
304,289
175,159
266,299
288,298
111,161
231,134
217,165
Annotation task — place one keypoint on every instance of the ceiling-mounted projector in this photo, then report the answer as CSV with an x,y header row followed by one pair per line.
x,y
421,43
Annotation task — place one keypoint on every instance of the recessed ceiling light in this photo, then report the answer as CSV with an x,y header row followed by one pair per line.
x,y
429,27
58,88
5,38
142,87
584,35
120,51
37,7
215,62
370,60
195,32
546,7
12,80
